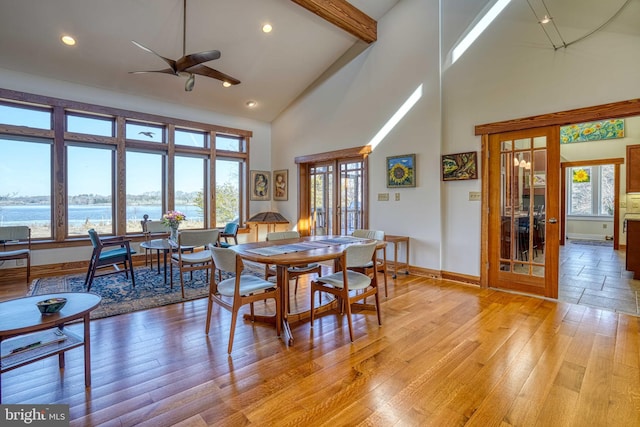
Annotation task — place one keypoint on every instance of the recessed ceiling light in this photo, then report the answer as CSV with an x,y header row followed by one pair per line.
x,y
251,104
226,84
68,40
546,19
266,28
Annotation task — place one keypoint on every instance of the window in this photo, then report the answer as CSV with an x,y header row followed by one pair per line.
x,y
190,186
590,190
89,190
111,167
144,188
228,173
26,201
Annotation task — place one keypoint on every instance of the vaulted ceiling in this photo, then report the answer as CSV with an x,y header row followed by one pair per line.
x,y
274,69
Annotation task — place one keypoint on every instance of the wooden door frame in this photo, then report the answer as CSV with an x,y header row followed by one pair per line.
x,y
616,197
304,166
610,111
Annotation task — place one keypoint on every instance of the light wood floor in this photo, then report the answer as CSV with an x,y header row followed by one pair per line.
x,y
447,354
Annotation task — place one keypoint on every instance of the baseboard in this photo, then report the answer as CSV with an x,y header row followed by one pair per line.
x,y
459,277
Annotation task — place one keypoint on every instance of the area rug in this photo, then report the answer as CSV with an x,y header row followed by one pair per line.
x,y
118,296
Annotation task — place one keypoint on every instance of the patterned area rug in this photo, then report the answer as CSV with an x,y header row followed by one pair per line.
x,y
118,296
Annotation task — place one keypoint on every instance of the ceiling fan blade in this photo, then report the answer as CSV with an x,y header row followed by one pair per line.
x,y
188,61
165,71
171,62
203,70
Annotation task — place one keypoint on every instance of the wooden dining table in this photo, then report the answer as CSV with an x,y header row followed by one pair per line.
x,y
294,252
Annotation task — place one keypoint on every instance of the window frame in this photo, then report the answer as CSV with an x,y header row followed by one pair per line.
x,y
596,191
59,198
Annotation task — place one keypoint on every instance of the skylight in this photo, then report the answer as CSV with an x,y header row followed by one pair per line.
x,y
478,28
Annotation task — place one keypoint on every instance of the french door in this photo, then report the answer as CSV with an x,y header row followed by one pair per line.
x,y
337,197
523,226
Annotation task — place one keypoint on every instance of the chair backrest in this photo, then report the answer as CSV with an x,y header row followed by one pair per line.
x,y
358,255
224,259
155,227
231,229
95,239
369,234
281,235
197,238
15,232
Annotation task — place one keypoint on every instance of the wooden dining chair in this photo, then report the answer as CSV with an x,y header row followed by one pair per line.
x,y
295,271
16,235
198,257
350,286
102,256
380,263
239,290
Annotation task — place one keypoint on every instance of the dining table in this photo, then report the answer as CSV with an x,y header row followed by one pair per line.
x,y
295,252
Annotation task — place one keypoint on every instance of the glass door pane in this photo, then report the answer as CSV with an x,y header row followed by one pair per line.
x,y
523,165
351,196
321,185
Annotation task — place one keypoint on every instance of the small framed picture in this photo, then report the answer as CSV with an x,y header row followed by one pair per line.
x,y
460,166
401,171
259,185
281,184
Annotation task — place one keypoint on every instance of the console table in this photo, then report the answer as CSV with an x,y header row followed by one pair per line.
x,y
27,336
397,240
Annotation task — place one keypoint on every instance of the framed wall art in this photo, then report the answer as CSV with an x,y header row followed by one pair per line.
x,y
259,185
401,171
460,166
281,184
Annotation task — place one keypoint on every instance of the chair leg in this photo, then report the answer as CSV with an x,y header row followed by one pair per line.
x,y
209,310
348,310
313,290
182,283
133,277
234,317
28,269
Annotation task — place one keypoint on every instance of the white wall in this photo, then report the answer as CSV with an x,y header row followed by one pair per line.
x,y
348,108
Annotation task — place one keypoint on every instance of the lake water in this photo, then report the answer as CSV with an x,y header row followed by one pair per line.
x,y
34,215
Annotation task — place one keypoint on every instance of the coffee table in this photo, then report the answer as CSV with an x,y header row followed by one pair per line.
x,y
22,326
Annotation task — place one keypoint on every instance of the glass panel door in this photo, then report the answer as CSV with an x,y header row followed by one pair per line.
x,y
321,192
350,208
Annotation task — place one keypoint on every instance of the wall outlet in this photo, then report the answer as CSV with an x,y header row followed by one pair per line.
x,y
623,204
397,196
475,196
604,225
383,197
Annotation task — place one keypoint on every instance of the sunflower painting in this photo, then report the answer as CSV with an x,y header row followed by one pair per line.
x,y
581,175
460,166
401,171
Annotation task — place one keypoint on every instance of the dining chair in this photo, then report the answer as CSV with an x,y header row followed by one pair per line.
x,y
198,257
19,235
102,257
241,289
380,263
151,229
294,271
349,286
230,231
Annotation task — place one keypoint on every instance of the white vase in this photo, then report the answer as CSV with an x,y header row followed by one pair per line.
x,y
174,233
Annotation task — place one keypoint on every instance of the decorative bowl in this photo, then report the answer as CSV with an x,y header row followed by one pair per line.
x,y
52,305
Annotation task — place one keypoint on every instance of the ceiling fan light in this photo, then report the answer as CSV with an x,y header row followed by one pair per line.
x,y
251,104
266,28
191,81
226,84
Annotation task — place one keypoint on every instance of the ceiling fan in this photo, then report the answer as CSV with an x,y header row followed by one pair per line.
x,y
189,64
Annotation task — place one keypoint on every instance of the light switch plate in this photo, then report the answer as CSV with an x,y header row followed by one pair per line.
x,y
475,196
397,196
383,197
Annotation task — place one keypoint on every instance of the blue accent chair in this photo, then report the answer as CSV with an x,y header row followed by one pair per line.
x,y
230,232
104,257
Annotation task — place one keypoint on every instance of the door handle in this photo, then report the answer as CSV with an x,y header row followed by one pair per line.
x,y
552,220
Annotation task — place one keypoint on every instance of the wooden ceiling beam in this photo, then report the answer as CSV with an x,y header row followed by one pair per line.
x,y
344,15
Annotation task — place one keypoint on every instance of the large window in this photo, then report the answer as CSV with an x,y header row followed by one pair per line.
x,y
69,166
591,190
25,184
89,189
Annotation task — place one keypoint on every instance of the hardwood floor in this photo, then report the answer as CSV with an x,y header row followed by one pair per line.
x,y
446,354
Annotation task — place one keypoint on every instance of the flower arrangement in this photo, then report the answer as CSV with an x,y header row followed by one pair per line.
x,y
172,219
